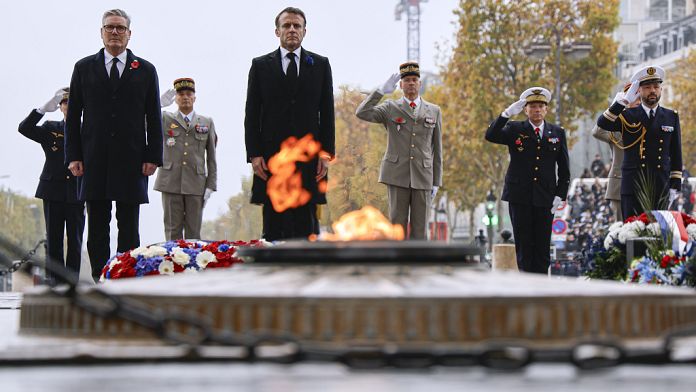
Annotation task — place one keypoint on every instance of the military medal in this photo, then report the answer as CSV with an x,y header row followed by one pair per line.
x,y
399,121
201,128
666,128
170,140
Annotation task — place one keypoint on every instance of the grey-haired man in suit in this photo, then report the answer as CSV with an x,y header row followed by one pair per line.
x,y
412,165
189,173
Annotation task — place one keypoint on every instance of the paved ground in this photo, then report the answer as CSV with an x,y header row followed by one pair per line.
x,y
216,377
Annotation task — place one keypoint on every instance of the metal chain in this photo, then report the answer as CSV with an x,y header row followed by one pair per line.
x,y
18,264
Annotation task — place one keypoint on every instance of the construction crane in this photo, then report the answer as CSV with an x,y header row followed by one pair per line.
x,y
412,10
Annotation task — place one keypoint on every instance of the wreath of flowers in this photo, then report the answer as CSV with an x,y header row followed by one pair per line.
x,y
174,257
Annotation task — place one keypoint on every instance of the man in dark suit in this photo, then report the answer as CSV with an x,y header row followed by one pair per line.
x,y
63,212
119,145
652,143
290,93
537,179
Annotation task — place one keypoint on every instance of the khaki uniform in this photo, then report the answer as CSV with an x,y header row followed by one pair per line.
x,y
189,168
412,163
614,185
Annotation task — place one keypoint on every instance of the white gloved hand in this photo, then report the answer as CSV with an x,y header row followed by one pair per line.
x,y
557,203
630,95
167,98
673,195
52,104
434,191
206,195
515,108
390,85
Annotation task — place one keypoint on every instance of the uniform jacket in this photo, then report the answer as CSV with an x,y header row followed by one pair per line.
x,y
539,169
413,158
614,184
662,146
56,183
121,129
275,111
189,155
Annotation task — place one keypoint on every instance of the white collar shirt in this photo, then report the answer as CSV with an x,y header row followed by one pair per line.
x,y
286,61
647,109
121,65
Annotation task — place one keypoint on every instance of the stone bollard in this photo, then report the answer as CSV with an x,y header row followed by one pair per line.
x,y
504,258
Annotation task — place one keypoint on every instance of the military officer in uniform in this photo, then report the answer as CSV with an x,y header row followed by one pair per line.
x,y
537,179
63,212
189,173
652,141
412,164
613,193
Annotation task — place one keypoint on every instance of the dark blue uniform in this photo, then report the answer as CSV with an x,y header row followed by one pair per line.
x,y
538,172
655,151
58,190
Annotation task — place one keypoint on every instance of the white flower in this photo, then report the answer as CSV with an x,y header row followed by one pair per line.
x,y
190,270
166,267
138,251
654,229
691,231
179,256
615,227
205,257
154,251
608,242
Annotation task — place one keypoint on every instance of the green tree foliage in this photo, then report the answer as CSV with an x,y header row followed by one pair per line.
x,y
683,96
360,146
489,69
21,219
242,221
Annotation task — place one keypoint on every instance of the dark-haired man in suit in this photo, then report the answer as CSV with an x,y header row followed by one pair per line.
x,y
290,93
119,144
63,212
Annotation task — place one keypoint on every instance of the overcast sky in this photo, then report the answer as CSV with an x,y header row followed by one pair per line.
x,y
210,41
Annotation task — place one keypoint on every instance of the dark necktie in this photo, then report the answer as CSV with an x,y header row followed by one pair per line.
x,y
292,69
113,75
652,114
187,121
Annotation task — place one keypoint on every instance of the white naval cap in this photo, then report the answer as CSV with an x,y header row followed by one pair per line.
x,y
649,74
536,94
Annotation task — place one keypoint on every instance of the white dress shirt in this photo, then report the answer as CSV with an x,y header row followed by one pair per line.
x,y
286,61
190,116
647,110
121,65
541,128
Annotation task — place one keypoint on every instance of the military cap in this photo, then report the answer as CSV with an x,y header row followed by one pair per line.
x,y
184,84
649,74
66,95
536,94
409,68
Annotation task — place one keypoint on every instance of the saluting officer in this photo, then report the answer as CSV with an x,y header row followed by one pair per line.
x,y
652,140
537,179
63,212
189,173
412,165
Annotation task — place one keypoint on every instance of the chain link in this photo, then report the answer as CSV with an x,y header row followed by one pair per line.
x,y
18,264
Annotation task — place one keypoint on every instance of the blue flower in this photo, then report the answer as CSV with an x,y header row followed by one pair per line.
x,y
310,60
223,248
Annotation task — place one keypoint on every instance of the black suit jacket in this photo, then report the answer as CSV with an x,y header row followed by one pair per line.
x,y
121,128
56,183
662,154
275,111
531,177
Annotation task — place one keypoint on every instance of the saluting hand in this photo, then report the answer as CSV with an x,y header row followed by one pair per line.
x,y
167,98
630,95
515,108
53,103
390,85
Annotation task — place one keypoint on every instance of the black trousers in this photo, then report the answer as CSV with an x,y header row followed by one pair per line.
x,y
98,239
64,219
531,227
294,223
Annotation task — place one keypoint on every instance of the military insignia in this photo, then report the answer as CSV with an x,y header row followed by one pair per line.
x,y
201,128
54,148
536,91
171,142
174,126
429,120
553,140
518,143
667,128
650,71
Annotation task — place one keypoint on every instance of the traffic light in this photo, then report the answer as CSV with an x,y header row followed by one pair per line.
x,y
492,221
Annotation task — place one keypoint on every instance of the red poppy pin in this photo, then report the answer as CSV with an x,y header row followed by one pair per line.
x,y
135,64
400,120
170,132
518,142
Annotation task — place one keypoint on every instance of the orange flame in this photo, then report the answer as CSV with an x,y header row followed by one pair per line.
x,y
366,224
284,187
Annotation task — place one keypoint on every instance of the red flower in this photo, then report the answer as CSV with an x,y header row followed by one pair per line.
x,y
642,217
664,263
400,120
170,132
518,142
135,64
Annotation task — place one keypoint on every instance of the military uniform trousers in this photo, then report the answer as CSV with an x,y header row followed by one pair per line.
x,y
183,215
531,227
69,219
405,203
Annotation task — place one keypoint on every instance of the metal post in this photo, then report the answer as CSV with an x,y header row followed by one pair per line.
x,y
558,75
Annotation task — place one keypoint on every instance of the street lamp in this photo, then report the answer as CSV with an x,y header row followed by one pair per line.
x,y
490,207
574,50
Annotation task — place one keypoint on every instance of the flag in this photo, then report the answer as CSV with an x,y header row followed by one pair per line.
x,y
672,222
